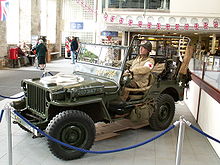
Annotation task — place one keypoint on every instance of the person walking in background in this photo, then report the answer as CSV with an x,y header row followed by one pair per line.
x,y
41,54
73,48
77,51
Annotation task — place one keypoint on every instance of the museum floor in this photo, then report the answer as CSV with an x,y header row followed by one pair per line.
x,y
27,151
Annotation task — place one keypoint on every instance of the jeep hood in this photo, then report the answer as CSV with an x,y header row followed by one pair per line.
x,y
77,81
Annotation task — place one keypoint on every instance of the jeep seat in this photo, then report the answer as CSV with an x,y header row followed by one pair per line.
x,y
134,93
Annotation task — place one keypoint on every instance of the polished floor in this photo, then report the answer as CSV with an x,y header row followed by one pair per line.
x,y
27,151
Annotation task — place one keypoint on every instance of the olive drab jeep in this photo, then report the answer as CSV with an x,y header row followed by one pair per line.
x,y
67,107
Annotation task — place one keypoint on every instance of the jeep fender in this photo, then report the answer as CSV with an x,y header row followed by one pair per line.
x,y
94,107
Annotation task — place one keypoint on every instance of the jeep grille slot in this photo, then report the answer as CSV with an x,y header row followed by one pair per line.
x,y
36,98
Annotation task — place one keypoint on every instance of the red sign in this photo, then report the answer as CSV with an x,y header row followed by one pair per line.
x,y
196,26
121,20
105,16
112,19
177,27
215,24
186,26
205,25
167,26
149,25
130,22
158,26
140,23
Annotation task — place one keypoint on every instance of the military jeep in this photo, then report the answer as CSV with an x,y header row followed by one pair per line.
x,y
68,106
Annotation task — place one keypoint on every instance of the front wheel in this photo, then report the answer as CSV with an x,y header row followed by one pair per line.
x,y
72,127
163,113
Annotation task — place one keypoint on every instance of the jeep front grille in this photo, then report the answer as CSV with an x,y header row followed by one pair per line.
x,y
36,99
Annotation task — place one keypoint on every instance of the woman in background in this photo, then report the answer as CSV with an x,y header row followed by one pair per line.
x,y
41,54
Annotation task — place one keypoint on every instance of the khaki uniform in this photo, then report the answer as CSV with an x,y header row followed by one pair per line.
x,y
141,73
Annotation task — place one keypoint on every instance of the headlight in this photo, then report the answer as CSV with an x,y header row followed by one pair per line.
x,y
59,95
24,86
48,96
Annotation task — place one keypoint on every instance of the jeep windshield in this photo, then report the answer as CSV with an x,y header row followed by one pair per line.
x,y
101,60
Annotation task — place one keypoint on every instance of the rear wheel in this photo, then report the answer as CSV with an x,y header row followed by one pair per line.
x,y
72,127
163,113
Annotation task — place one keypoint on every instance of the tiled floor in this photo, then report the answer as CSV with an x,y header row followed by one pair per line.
x,y
196,151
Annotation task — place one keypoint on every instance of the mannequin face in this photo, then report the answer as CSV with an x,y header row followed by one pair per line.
x,y
143,50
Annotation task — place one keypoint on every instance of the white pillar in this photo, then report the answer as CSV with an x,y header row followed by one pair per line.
x,y
180,139
128,43
8,113
106,4
213,43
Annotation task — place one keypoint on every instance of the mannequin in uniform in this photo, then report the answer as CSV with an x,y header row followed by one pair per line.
x,y
141,66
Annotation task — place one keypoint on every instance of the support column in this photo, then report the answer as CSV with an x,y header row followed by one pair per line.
x,y
99,21
129,36
59,25
24,21
124,41
106,4
3,43
213,43
35,17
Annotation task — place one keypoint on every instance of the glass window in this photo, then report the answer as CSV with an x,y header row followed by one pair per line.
x,y
103,55
126,3
196,66
212,72
139,4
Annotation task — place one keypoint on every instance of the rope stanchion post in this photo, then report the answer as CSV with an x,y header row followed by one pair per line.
x,y
180,140
8,115
1,115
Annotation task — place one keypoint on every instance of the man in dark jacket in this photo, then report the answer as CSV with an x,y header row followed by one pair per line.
x,y
41,54
73,48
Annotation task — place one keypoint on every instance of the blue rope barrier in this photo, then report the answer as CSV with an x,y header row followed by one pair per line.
x,y
50,73
1,115
205,134
94,152
6,97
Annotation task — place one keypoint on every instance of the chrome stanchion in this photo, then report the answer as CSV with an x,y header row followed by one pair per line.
x,y
180,140
8,114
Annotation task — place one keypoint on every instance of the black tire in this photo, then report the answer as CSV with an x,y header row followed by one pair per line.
x,y
72,127
163,113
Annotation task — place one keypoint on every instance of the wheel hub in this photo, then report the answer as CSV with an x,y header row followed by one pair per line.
x,y
72,135
164,112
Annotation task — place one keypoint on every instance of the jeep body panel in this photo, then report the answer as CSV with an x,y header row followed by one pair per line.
x,y
84,90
